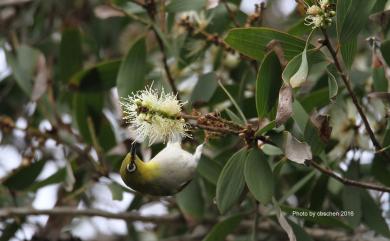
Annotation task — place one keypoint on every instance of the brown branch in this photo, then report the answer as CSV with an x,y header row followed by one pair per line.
x,y
214,39
165,62
347,181
347,84
69,211
257,16
150,7
232,15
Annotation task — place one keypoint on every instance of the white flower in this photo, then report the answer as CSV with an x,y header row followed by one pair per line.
x,y
324,4
313,10
154,116
319,15
316,21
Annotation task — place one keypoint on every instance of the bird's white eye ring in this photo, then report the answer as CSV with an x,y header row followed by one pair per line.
x,y
131,167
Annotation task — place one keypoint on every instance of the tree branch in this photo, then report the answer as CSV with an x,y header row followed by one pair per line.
x,y
232,15
128,216
347,181
150,7
347,84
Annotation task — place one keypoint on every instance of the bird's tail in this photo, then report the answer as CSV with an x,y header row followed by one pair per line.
x,y
198,152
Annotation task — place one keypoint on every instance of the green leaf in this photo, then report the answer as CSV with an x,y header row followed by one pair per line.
x,y
190,201
297,186
223,228
258,176
300,233
23,66
351,196
90,105
204,88
379,79
253,42
372,215
310,132
185,5
116,191
266,128
24,177
231,181
313,57
57,177
301,75
268,83
352,16
131,75
332,85
385,50
209,169
233,102
315,99
348,52
71,57
97,78
233,117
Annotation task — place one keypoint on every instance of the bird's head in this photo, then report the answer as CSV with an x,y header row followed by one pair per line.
x,y
136,173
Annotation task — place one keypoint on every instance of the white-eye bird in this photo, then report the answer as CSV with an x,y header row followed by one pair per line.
x,y
165,174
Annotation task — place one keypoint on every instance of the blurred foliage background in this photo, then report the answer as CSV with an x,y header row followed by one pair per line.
x,y
66,64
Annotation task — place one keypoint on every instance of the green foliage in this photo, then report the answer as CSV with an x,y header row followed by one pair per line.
x,y
131,74
253,42
223,228
268,84
258,176
231,181
69,63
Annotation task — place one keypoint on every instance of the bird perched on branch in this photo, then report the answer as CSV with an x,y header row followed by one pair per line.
x,y
165,174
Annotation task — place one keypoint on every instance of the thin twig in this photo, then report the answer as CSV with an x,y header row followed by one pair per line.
x,y
150,7
217,129
347,84
232,15
69,211
347,181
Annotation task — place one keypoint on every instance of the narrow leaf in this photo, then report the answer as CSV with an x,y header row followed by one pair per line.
x,y
301,75
268,83
190,201
253,42
283,222
96,78
348,52
351,196
223,228
204,88
372,215
131,75
231,181
258,176
70,59
333,87
351,17
24,176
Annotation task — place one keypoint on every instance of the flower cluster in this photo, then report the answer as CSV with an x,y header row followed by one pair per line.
x,y
320,14
154,116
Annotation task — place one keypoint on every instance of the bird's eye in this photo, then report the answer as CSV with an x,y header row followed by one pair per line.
x,y
131,167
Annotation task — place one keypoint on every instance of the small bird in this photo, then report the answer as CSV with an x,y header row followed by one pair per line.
x,y
165,174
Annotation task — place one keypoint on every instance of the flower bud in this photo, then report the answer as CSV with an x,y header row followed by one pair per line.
x,y
313,10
